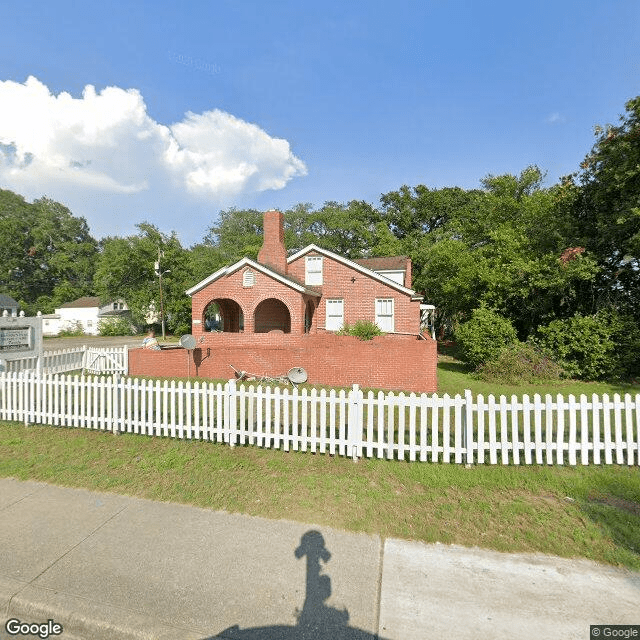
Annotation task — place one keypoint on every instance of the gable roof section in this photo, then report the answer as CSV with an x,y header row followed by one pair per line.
x,y
247,262
353,265
7,301
390,263
87,302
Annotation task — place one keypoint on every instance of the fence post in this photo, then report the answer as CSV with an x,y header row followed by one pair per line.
x,y
230,421
354,422
85,357
468,425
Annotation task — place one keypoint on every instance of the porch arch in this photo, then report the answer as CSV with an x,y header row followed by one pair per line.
x,y
272,315
223,315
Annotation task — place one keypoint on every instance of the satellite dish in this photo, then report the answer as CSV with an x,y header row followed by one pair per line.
x,y
188,342
297,375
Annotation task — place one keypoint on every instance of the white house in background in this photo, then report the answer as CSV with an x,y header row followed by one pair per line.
x,y
8,304
84,312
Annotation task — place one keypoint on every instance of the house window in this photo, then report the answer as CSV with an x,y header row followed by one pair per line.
x,y
313,270
248,278
335,315
384,314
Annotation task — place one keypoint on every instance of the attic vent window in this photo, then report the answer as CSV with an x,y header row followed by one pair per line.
x,y
248,278
313,270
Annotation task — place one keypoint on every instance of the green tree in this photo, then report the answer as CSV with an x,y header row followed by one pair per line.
x,y
502,247
126,269
347,229
237,234
47,254
607,209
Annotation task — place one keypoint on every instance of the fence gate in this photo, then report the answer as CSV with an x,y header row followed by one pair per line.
x,y
101,360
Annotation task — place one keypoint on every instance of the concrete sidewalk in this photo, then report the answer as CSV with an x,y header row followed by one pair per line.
x,y
107,566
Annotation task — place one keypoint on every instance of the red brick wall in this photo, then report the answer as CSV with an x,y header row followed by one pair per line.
x,y
359,296
386,362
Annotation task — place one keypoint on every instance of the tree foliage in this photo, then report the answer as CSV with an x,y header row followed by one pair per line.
x,y
126,269
500,246
606,206
47,255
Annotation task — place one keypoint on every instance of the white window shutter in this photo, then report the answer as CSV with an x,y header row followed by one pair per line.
x,y
335,315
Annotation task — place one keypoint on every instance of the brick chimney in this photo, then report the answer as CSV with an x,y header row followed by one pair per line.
x,y
273,253
408,274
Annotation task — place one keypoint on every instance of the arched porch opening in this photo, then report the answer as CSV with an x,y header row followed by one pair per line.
x,y
223,315
272,315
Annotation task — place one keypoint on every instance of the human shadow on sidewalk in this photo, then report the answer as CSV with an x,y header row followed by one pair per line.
x,y
317,620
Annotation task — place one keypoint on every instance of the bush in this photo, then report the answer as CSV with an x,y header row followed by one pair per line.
x,y
73,330
582,345
521,362
120,326
625,333
484,336
363,329
602,346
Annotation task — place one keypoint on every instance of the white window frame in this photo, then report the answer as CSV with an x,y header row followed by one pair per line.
x,y
385,314
313,270
334,321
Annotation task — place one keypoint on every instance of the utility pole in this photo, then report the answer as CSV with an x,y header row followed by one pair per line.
x,y
160,273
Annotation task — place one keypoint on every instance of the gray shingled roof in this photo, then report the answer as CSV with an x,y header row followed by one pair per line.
x,y
7,301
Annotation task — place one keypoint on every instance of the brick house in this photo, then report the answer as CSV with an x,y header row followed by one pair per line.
x,y
312,291
277,312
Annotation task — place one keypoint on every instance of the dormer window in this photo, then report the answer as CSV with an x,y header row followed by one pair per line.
x,y
313,270
248,278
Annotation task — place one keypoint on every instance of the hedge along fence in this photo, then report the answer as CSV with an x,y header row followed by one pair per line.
x,y
427,428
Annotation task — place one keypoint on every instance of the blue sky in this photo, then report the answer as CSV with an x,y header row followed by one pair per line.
x,y
297,102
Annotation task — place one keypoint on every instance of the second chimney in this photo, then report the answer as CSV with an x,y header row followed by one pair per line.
x,y
273,253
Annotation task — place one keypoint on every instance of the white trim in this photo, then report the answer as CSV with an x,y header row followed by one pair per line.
x,y
225,271
352,265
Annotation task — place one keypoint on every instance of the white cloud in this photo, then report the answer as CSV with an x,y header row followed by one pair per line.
x,y
104,145
555,118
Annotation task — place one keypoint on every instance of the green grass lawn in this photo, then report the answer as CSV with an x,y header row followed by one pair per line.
x,y
591,512
454,377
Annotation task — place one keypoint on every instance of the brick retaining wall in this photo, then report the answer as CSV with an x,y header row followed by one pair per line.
x,y
386,362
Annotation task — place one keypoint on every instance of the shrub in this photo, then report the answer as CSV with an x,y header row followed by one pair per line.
x,y
484,336
120,326
521,362
363,329
73,330
582,345
624,330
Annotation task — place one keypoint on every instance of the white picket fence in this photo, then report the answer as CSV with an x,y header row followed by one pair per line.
x,y
460,429
98,360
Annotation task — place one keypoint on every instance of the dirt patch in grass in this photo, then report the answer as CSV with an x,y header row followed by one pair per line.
x,y
616,503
